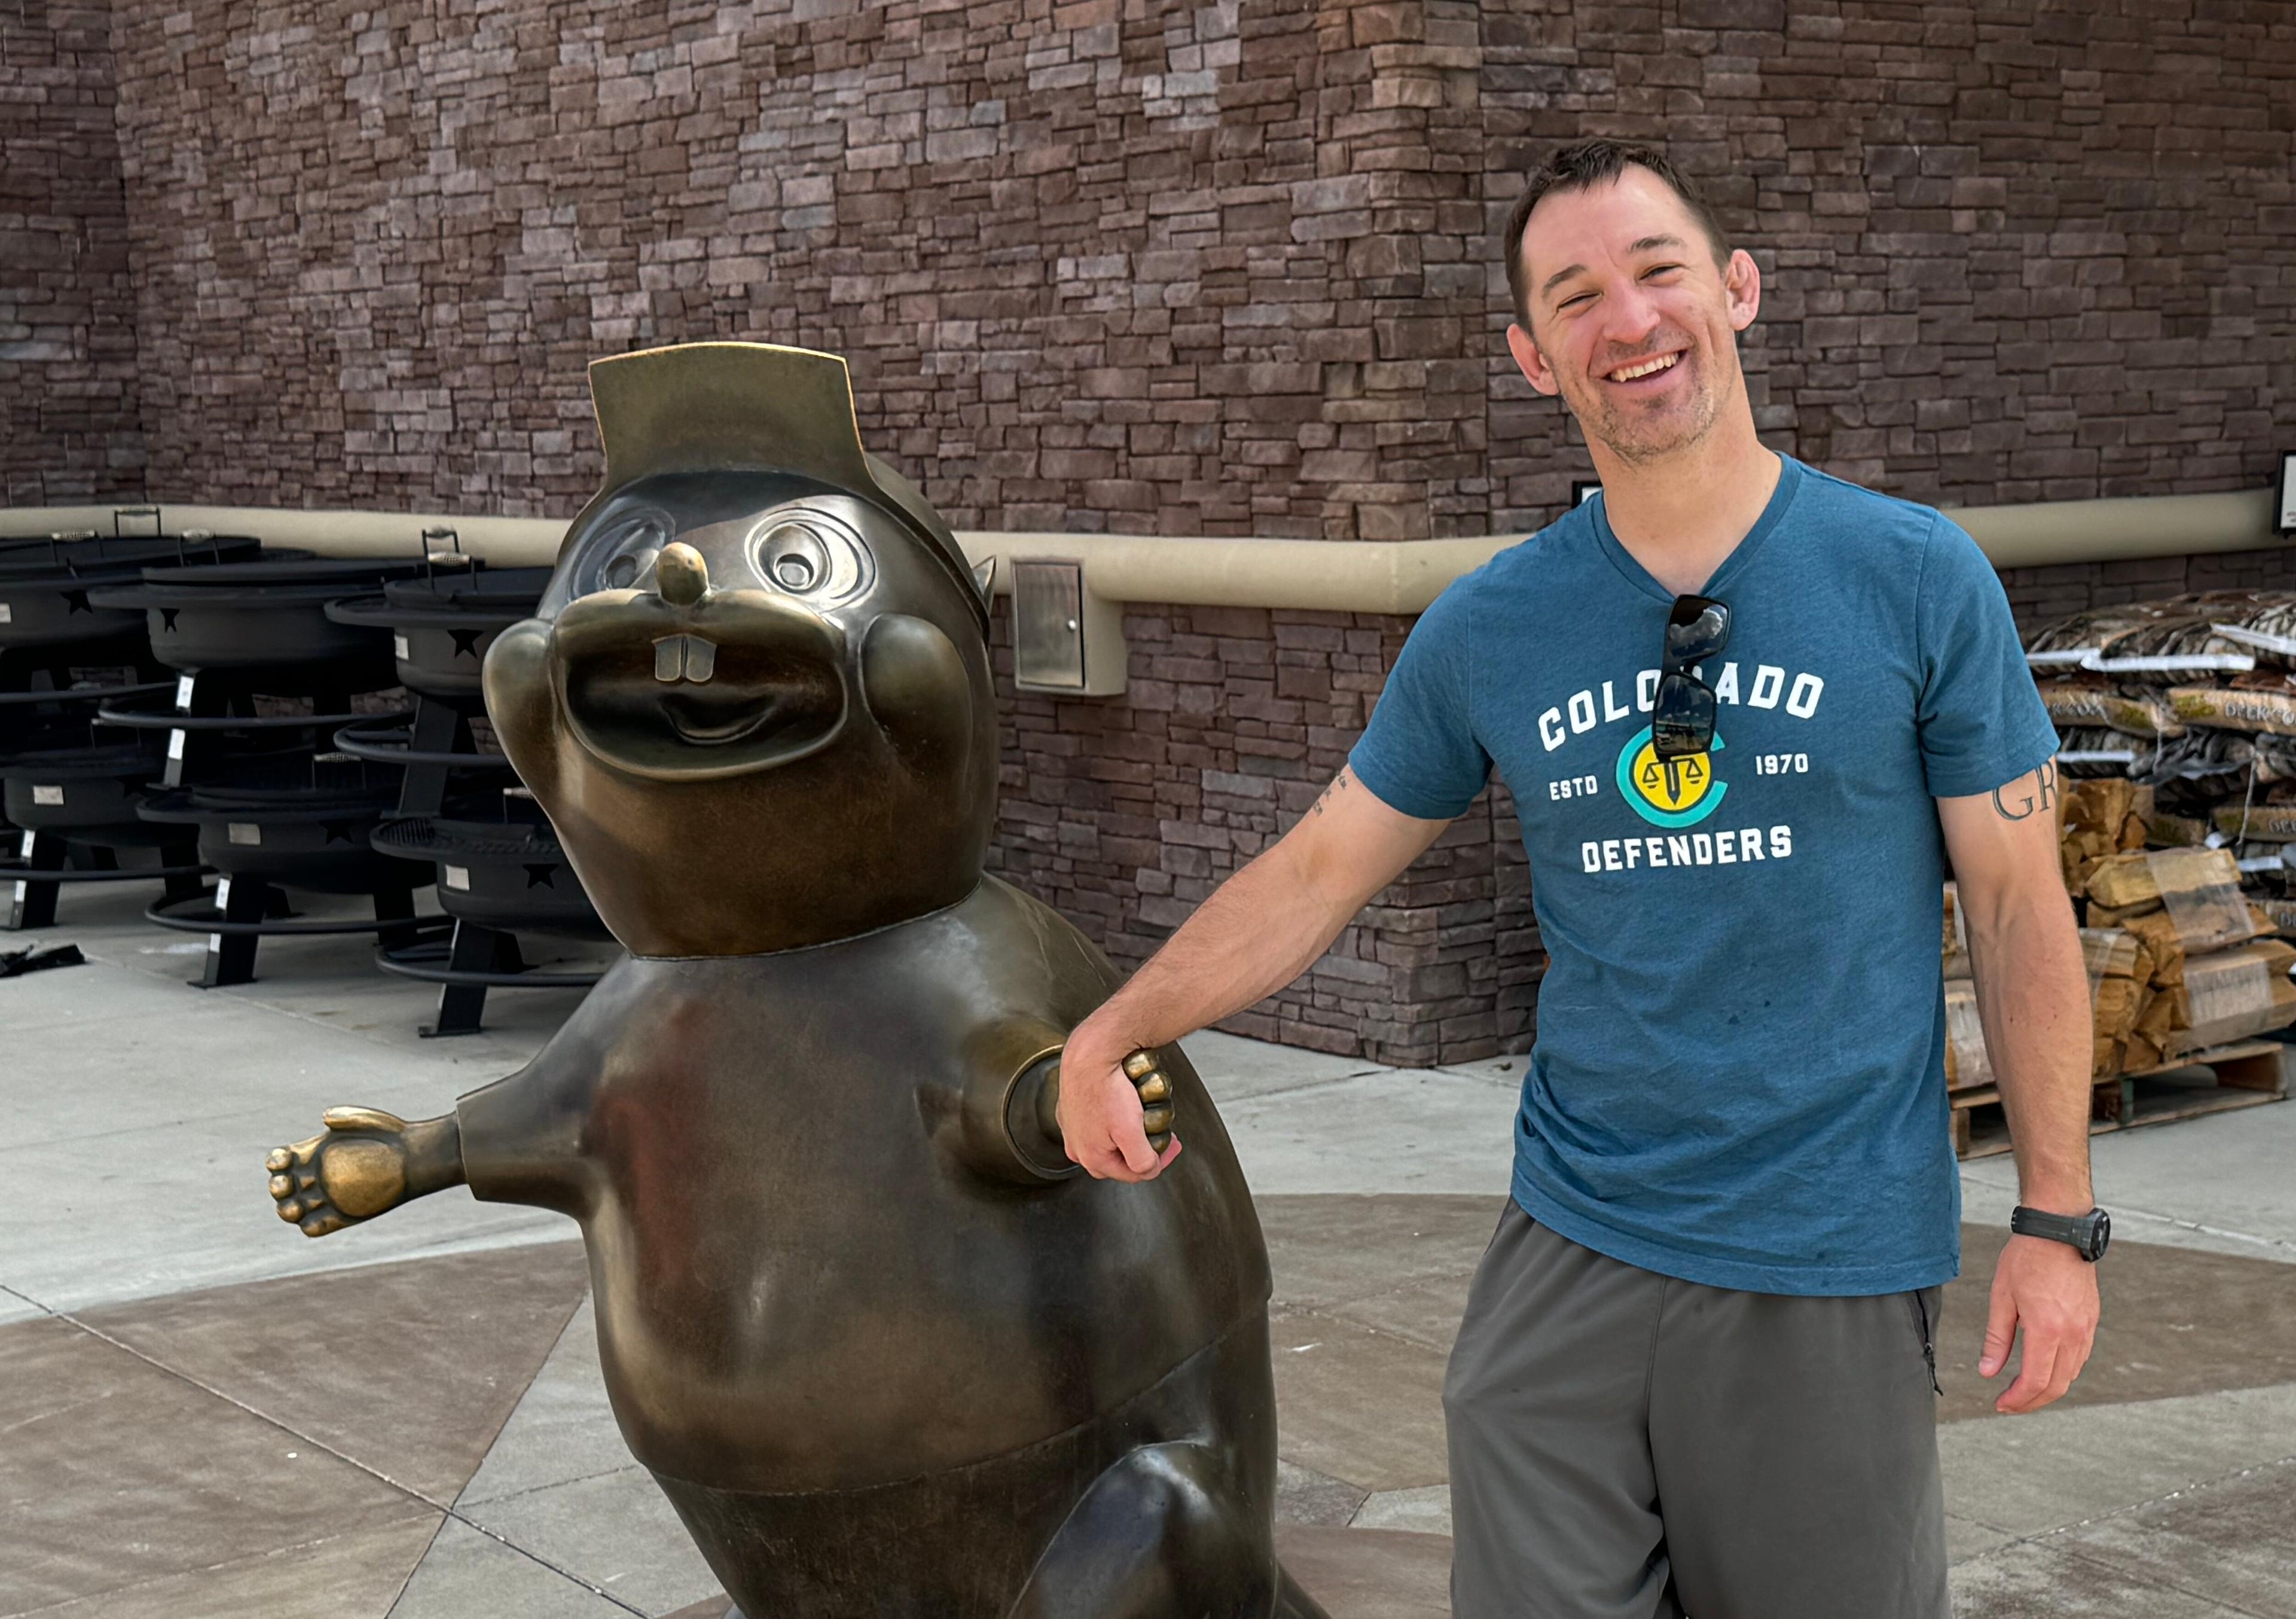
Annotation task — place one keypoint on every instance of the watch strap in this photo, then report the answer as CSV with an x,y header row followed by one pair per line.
x,y
2085,1233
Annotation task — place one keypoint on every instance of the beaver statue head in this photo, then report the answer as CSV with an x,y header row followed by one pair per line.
x,y
756,699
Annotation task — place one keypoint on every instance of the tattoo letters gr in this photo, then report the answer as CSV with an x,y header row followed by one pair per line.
x,y
2015,802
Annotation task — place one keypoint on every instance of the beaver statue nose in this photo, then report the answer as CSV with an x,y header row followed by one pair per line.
x,y
680,574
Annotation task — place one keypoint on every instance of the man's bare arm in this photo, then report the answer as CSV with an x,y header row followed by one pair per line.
x,y
2032,996
1257,932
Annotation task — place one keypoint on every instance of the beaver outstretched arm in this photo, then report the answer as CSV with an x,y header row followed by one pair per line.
x,y
365,1163
517,1141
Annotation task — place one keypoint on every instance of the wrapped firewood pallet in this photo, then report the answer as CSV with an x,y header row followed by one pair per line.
x,y
1967,1066
2233,994
2197,890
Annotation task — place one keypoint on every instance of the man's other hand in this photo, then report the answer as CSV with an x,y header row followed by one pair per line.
x,y
1100,1107
2048,1291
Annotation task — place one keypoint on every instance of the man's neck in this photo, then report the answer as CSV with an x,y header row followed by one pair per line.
x,y
1682,515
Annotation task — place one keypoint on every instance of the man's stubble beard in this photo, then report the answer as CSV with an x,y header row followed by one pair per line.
x,y
1635,443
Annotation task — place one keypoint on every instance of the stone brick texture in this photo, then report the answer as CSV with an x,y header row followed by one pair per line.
x,y
70,416
1222,269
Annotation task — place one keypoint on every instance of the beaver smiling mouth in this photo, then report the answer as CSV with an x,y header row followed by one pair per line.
x,y
698,683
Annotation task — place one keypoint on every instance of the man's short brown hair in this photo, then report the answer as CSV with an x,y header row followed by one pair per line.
x,y
1579,166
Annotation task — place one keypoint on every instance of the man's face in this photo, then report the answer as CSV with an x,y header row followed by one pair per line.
x,y
1632,322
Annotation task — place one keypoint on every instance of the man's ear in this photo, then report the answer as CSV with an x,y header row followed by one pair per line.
x,y
1536,371
1742,284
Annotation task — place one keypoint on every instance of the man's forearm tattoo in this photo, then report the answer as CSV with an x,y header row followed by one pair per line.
x,y
2026,804
1338,785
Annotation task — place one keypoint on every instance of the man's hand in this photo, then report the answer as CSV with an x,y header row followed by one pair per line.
x,y
2048,1290
1101,1112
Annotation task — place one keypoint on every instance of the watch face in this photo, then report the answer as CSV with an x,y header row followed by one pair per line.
x,y
2100,1235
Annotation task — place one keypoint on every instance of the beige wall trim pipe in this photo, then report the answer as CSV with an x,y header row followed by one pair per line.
x,y
1362,576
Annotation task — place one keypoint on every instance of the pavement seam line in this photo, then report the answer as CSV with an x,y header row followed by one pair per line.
x,y
2213,1482
2207,1230
102,1336
206,1568
556,1484
2143,1576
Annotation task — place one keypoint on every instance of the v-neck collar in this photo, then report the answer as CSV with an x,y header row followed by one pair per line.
x,y
1790,474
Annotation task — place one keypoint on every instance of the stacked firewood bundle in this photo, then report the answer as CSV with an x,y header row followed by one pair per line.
x,y
2180,960
2194,698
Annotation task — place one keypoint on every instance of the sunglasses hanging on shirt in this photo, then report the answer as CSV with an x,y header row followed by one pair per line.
x,y
1682,719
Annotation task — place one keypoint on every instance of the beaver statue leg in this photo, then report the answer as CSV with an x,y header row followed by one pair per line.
x,y
365,1163
1160,1535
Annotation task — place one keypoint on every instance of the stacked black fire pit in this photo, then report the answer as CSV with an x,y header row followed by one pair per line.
x,y
498,868
71,787
262,680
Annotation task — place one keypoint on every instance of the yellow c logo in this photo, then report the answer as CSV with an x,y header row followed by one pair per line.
x,y
1679,796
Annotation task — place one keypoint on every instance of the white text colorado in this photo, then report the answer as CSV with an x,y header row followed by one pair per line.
x,y
1769,683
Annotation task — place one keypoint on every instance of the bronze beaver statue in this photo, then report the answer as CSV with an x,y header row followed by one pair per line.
x,y
886,1351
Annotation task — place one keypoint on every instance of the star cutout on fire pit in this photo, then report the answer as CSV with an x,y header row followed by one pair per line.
x,y
76,602
168,618
337,831
466,642
541,876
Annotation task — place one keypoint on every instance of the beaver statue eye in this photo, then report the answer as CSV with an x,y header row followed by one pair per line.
x,y
629,550
625,571
815,558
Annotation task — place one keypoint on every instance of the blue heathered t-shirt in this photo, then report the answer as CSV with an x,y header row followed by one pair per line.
x,y
1739,1078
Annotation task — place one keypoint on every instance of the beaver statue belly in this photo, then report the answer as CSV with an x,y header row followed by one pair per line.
x,y
883,1347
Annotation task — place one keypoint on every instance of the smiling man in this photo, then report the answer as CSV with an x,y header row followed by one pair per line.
x,y
1746,710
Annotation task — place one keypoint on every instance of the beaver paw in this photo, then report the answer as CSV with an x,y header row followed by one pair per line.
x,y
352,1172
1146,1070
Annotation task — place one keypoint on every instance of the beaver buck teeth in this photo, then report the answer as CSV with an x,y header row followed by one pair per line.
x,y
1644,368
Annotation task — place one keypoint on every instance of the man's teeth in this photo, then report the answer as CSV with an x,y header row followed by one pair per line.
x,y
1646,368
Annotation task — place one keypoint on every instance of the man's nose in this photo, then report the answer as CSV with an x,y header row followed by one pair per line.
x,y
1629,316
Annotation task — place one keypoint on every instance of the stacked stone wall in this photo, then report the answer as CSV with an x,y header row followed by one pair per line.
x,y
1219,268
1127,813
70,426
1223,268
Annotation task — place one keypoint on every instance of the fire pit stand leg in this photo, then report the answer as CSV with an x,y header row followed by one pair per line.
x,y
475,949
231,956
184,858
32,903
395,906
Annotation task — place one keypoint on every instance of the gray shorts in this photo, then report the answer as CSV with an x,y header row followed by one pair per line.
x,y
1625,1445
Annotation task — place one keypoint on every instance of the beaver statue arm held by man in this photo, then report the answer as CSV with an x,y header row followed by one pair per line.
x,y
368,1161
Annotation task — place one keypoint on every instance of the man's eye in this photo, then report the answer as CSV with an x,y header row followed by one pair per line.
x,y
1578,298
1659,270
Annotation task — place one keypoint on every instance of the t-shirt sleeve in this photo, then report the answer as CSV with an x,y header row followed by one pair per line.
x,y
1981,721
1420,755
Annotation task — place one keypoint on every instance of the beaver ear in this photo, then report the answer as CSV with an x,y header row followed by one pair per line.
x,y
914,685
523,707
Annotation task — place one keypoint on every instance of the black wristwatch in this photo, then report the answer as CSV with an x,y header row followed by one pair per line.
x,y
2086,1234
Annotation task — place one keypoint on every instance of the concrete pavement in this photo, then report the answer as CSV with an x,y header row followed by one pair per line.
x,y
206,1413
